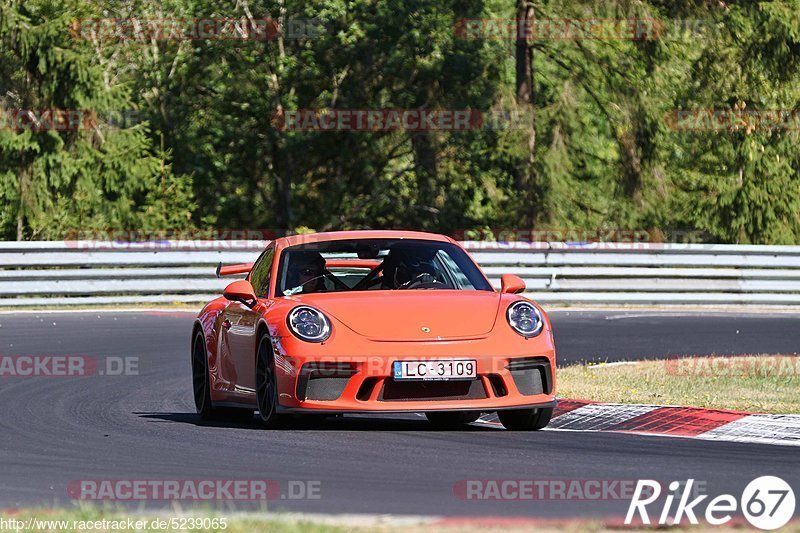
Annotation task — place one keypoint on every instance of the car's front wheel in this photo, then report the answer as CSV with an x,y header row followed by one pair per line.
x,y
451,419
525,419
266,384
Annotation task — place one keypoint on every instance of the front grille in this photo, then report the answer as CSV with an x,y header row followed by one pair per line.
x,y
408,391
531,376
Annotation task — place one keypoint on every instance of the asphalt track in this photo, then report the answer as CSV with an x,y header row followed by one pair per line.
x,y
57,430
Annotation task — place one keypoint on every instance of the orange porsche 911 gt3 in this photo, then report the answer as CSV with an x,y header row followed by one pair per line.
x,y
369,322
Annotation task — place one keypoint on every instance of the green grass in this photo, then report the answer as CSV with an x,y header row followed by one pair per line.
x,y
764,384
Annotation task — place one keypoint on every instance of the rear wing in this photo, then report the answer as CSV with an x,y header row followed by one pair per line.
x,y
244,268
232,270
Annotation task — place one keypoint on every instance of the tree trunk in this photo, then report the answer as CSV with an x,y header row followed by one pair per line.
x,y
426,168
524,52
283,194
24,179
19,222
525,178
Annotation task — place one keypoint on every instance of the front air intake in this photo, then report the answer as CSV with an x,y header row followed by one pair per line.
x,y
408,391
324,382
531,375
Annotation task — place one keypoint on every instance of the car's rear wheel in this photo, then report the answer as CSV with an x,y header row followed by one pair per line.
x,y
450,419
525,419
266,384
201,382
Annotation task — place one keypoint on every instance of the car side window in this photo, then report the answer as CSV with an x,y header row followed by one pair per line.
x,y
259,276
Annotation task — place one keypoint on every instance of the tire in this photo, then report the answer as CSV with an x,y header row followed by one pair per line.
x,y
525,419
201,381
201,385
266,384
451,419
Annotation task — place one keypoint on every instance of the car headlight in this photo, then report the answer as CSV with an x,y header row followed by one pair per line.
x,y
525,319
309,324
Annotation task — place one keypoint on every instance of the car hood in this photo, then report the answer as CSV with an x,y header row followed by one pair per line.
x,y
405,315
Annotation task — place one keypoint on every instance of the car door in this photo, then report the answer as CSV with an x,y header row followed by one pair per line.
x,y
239,326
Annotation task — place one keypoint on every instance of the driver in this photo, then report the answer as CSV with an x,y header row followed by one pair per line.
x,y
307,270
406,266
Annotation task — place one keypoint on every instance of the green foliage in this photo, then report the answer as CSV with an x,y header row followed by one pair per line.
x,y
93,175
208,154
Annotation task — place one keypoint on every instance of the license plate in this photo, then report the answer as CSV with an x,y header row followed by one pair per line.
x,y
435,370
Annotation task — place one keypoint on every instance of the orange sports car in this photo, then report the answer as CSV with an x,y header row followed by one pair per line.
x,y
373,322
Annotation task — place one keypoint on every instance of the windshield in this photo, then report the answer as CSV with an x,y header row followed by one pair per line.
x,y
377,264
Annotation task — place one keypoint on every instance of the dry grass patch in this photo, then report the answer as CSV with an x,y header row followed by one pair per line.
x,y
761,384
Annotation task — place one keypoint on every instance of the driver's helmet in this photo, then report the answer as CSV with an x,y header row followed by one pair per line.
x,y
407,264
304,265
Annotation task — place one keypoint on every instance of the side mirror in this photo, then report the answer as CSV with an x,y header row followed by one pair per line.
x,y
511,284
240,291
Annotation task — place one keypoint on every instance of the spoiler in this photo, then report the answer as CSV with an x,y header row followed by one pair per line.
x,y
232,270
244,268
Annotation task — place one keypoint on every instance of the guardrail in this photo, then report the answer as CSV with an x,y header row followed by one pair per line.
x,y
94,272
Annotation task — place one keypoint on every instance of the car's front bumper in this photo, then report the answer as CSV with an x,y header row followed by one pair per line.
x,y
310,382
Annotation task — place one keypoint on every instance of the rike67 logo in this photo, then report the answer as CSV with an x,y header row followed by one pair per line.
x,y
767,502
